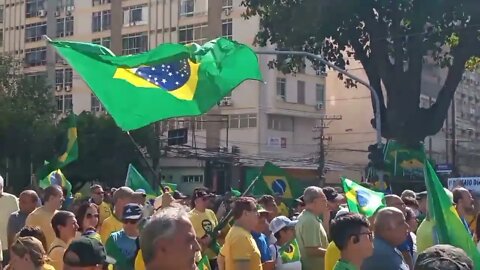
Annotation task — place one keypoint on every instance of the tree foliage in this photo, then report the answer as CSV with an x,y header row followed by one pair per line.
x,y
392,39
31,133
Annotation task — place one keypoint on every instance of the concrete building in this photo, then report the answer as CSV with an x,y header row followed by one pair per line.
x,y
265,121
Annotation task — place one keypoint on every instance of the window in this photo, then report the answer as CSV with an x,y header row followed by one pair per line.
x,y
101,20
63,79
320,93
227,3
280,122
192,178
59,101
199,123
134,43
35,31
2,9
282,88
100,2
65,26
187,7
36,56
135,15
102,41
67,103
96,106
32,7
37,77
192,33
69,4
300,92
1,37
227,29
242,121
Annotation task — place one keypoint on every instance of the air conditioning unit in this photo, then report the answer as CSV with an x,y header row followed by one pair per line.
x,y
58,88
42,13
57,13
70,8
319,106
227,11
68,88
226,101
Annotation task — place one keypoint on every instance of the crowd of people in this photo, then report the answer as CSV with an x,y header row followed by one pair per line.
x,y
124,230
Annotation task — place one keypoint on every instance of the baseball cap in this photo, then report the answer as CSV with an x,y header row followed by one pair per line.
x,y
443,257
132,211
421,195
281,222
300,200
85,252
177,195
331,194
343,211
141,191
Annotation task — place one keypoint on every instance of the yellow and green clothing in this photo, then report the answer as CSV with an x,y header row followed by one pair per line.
x,y
344,265
332,255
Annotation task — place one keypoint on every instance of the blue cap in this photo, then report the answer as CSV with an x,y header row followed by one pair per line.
x,y
132,211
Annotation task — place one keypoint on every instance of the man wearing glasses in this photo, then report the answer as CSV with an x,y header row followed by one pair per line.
x,y
124,245
351,234
97,197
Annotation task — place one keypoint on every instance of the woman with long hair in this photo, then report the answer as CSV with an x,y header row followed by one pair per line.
x,y
27,253
88,220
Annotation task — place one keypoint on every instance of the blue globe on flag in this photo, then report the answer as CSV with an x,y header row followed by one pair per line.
x,y
279,186
363,198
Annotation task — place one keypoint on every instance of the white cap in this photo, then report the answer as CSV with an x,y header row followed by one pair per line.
x,y
341,212
281,222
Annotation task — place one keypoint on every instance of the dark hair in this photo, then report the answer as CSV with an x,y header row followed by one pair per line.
x,y
410,202
51,191
457,194
266,200
346,226
243,204
60,219
195,195
34,232
81,212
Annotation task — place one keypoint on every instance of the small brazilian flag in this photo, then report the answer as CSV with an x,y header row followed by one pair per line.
x,y
360,199
56,178
69,153
204,264
135,180
274,180
170,187
171,80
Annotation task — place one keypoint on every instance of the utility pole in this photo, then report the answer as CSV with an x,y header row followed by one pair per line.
x,y
321,142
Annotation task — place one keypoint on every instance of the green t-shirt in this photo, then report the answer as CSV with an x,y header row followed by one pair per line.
x,y
344,265
309,232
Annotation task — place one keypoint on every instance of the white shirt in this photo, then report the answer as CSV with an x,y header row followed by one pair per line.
x,y
279,265
9,204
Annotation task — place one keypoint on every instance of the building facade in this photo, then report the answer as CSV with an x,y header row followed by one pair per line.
x,y
260,121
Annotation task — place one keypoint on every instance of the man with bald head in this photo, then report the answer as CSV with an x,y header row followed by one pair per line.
x,y
406,248
28,201
391,230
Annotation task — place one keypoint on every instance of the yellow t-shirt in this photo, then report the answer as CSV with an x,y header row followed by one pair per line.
x,y
240,245
47,266
204,222
332,255
282,209
9,205
42,218
110,225
56,251
139,264
104,211
425,235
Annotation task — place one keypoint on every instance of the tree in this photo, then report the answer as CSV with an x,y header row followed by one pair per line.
x,y
105,150
392,39
26,121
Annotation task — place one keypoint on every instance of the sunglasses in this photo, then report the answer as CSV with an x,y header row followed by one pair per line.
x,y
93,215
131,221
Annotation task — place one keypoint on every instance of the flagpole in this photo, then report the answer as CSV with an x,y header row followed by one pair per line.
x,y
146,161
